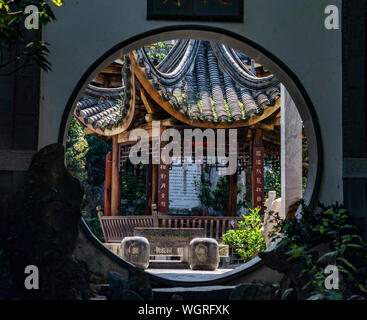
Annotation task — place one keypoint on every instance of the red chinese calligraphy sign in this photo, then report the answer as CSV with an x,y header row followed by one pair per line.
x,y
258,178
163,188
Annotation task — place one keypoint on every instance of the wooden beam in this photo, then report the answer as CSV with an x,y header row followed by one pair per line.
x,y
148,86
265,126
146,103
149,117
276,122
88,131
108,177
115,180
113,68
269,139
171,122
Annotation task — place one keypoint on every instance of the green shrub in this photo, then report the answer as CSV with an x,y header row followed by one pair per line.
x,y
94,224
133,191
348,252
158,51
247,239
217,199
272,182
76,150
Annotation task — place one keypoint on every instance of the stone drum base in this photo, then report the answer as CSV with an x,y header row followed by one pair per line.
x,y
203,254
135,250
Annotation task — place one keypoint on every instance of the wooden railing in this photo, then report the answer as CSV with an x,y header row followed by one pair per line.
x,y
214,227
115,228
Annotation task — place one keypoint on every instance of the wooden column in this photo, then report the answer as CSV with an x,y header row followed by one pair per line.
x,y
232,195
115,181
107,185
258,171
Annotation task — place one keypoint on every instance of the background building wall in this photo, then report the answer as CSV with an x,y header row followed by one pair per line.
x,y
355,108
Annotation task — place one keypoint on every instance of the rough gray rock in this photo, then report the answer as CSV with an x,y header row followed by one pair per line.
x,y
139,282
44,229
137,287
253,291
92,196
119,288
276,259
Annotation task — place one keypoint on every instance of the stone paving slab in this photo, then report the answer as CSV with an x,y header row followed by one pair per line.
x,y
187,274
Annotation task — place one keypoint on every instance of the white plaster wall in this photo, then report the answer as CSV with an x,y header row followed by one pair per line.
x,y
292,30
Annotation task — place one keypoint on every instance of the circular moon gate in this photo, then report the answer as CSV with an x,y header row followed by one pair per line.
x,y
239,43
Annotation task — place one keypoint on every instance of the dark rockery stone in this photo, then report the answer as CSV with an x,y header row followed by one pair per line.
x,y
253,291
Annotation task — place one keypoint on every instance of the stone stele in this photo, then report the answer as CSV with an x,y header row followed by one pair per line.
x,y
203,254
135,250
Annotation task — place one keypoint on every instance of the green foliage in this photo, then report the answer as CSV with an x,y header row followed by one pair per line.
x,y
272,182
217,199
158,51
13,37
76,150
96,160
94,224
133,190
347,251
85,155
247,239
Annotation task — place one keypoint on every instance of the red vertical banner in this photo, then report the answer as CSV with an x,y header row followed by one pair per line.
x,y
258,178
163,188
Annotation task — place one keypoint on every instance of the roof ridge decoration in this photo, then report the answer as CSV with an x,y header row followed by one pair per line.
x,y
208,82
177,64
230,63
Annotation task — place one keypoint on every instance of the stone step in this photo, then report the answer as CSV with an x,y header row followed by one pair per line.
x,y
99,289
175,293
98,298
168,264
193,293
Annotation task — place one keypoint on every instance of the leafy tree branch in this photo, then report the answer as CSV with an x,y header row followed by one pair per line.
x,y
16,50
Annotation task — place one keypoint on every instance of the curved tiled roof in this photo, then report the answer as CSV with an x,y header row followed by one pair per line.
x,y
203,80
209,82
106,108
100,113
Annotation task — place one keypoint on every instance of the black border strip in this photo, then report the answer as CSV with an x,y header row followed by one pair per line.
x,y
159,280
196,17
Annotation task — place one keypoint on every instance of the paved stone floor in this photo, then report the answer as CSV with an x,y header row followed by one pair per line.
x,y
188,274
